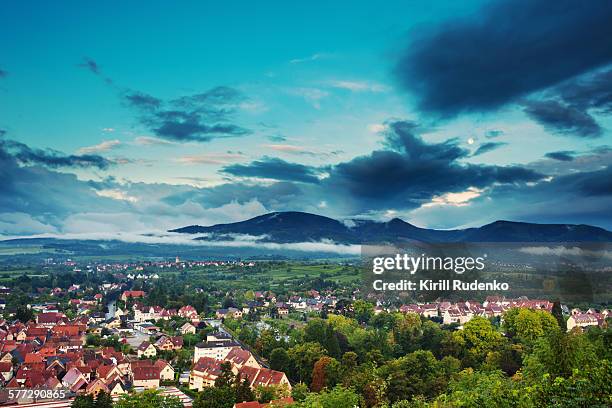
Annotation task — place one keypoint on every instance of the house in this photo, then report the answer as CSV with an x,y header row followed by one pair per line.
x,y
169,343
6,370
231,312
146,349
213,349
50,319
582,320
146,377
188,328
240,357
133,294
188,312
263,377
274,403
166,371
74,379
204,373
96,387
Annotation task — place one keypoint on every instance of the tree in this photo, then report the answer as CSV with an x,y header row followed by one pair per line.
x,y
303,357
339,397
478,389
24,314
319,375
476,340
83,401
226,378
558,314
243,390
279,360
363,311
213,397
299,392
148,399
103,400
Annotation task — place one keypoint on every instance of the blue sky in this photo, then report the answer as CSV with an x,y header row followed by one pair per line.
x,y
146,116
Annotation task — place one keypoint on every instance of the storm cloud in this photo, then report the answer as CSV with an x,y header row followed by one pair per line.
x,y
564,155
563,119
481,62
410,172
275,169
24,154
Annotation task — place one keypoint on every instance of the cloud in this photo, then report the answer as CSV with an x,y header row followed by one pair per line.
x,y
494,133
481,62
3,73
562,119
92,66
591,91
563,155
358,86
311,95
104,146
275,169
410,172
313,57
487,147
301,150
200,117
210,158
152,141
570,106
50,158
277,138
194,118
116,194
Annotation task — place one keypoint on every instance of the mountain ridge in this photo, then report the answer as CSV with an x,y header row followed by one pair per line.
x,y
295,226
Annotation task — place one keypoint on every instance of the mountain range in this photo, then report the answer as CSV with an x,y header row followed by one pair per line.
x,y
294,227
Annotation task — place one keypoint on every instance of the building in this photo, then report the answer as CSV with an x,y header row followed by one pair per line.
x,y
146,349
582,320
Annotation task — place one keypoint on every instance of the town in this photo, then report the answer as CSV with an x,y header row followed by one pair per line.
x,y
117,332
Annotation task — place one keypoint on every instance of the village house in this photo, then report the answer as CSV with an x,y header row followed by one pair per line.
x,y
187,328
169,343
146,349
132,294
582,320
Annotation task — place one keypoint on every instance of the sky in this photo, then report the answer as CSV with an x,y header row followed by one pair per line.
x,y
133,117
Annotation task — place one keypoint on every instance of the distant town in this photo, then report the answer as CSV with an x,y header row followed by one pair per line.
x,y
117,330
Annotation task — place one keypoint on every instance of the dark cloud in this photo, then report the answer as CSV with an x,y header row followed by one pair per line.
x,y
596,183
562,119
275,169
50,158
277,138
492,134
571,105
2,132
592,91
487,147
3,73
142,100
411,172
194,118
563,155
509,49
90,65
